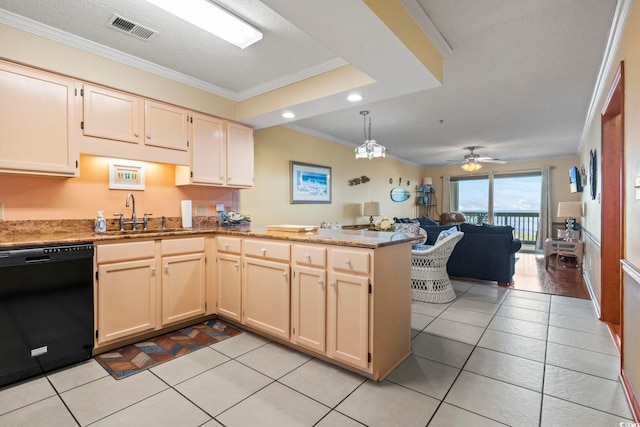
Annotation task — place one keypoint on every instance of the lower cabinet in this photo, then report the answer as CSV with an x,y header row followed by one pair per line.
x,y
229,286
348,319
183,279
132,299
308,308
266,294
126,290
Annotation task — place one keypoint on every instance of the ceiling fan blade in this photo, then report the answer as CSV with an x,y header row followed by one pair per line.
x,y
490,160
456,162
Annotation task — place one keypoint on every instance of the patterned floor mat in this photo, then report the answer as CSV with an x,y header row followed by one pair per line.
x,y
135,358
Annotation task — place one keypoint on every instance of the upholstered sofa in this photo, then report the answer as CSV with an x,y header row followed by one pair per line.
x,y
486,252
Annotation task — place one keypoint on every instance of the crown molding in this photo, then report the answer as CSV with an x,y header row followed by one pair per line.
x,y
423,20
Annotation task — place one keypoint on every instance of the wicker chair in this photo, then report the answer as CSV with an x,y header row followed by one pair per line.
x,y
429,279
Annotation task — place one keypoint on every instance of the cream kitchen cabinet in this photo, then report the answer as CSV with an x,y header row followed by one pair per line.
x,y
240,166
183,279
166,126
119,124
126,290
222,154
309,297
37,116
266,286
228,265
144,286
112,115
348,306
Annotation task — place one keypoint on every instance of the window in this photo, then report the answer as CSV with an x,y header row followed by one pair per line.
x,y
504,199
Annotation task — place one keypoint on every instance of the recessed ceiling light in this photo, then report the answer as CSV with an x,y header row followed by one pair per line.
x,y
212,18
288,115
354,97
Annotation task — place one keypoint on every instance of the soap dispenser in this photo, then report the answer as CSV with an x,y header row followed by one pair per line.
x,y
100,223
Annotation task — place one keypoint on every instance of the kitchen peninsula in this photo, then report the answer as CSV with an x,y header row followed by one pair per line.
x,y
343,296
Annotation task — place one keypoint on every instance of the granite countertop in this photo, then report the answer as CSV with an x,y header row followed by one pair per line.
x,y
27,234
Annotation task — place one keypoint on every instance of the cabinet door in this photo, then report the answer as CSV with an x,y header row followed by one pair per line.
x,y
112,115
229,286
126,299
266,293
308,308
208,158
239,155
37,122
183,287
348,318
166,126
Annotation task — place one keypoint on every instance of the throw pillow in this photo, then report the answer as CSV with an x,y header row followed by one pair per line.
x,y
425,221
434,231
446,233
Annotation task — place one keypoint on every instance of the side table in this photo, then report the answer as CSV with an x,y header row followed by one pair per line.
x,y
561,247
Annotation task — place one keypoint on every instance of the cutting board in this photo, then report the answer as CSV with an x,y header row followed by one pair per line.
x,y
292,228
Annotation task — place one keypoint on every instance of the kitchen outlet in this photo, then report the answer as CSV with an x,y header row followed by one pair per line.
x,y
201,210
220,207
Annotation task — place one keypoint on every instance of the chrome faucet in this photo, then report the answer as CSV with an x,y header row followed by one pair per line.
x,y
133,210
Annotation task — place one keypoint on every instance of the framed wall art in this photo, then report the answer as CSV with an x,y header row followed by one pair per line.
x,y
126,175
310,183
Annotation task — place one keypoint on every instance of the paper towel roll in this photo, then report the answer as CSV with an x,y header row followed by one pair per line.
x,y
186,213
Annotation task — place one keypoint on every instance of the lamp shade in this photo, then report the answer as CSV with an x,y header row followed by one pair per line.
x,y
427,181
570,210
371,209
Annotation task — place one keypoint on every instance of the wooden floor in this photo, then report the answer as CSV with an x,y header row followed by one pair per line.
x,y
563,278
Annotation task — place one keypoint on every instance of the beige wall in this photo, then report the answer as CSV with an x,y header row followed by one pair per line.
x,y
628,51
559,178
33,197
269,201
35,51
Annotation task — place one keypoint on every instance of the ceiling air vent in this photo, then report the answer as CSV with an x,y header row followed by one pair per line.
x,y
131,27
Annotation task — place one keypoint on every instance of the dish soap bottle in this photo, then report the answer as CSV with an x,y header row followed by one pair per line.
x,y
100,223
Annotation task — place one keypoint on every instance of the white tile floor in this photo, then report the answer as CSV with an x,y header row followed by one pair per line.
x,y
492,357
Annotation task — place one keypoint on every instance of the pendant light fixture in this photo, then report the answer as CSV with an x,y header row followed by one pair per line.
x,y
370,148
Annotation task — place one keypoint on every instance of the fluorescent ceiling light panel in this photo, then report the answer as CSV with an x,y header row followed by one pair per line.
x,y
212,18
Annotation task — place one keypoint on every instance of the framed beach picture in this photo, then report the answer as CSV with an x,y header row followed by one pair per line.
x,y
126,175
310,183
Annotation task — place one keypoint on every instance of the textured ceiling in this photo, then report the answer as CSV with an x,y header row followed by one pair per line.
x,y
518,80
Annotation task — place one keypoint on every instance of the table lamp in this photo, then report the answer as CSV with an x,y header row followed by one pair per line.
x,y
371,209
570,211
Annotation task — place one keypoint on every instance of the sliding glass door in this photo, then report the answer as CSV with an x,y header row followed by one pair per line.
x,y
500,199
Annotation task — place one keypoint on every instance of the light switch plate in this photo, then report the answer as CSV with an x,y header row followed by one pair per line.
x,y
201,210
220,207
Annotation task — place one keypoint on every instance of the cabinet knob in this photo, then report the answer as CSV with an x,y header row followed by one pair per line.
x,y
136,134
148,136
346,261
166,268
263,250
153,270
320,281
226,246
236,265
307,256
284,274
332,284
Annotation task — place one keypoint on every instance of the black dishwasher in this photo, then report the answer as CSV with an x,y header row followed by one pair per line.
x,y
46,308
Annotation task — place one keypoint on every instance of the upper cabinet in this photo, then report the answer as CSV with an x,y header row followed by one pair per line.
x,y
166,126
239,155
222,154
37,119
112,115
118,124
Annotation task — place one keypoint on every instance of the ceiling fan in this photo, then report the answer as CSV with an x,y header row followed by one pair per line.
x,y
472,161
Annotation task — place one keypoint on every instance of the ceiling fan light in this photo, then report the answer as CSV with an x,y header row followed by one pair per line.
x,y
471,166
